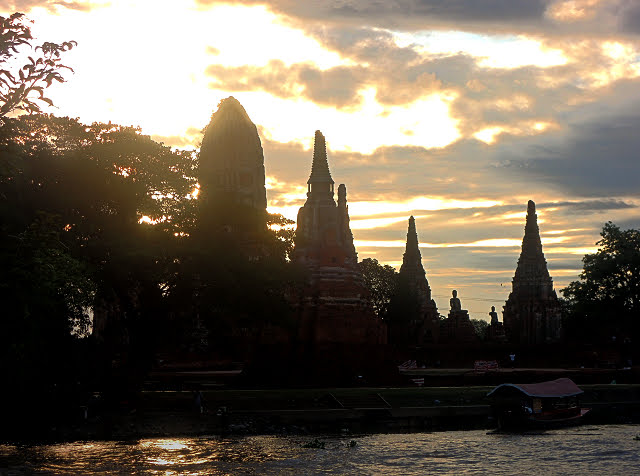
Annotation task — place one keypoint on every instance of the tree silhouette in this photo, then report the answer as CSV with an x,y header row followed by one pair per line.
x,y
382,283
23,89
155,287
97,181
606,299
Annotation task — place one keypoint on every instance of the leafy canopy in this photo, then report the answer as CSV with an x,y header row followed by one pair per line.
x,y
381,281
22,87
607,296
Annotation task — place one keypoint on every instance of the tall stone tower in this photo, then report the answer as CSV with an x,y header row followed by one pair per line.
x,y
231,170
334,304
532,313
415,321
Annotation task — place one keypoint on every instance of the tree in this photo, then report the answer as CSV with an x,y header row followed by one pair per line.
x,y
90,173
24,89
98,181
481,327
46,295
284,232
381,281
606,299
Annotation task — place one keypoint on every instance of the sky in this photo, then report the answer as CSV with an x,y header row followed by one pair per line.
x,y
455,111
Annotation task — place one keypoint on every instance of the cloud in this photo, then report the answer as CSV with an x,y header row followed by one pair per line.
x,y
408,13
336,86
589,206
399,75
633,222
551,17
51,5
521,100
597,155
630,17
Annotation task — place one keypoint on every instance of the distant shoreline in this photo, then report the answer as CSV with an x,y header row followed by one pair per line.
x,y
312,411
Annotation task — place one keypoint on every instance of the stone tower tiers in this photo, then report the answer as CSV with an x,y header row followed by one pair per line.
x,y
320,181
334,306
424,326
532,312
231,169
412,265
323,236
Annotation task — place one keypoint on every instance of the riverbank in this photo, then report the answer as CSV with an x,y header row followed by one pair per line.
x,y
309,411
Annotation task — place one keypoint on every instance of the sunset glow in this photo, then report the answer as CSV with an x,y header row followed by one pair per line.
x,y
459,124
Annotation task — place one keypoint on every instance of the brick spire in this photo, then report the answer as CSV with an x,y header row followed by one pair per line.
x,y
334,305
320,166
414,320
532,276
412,259
532,312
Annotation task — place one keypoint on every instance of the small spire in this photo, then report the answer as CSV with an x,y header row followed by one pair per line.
x,y
531,262
413,274
342,195
412,251
412,234
531,230
320,166
531,207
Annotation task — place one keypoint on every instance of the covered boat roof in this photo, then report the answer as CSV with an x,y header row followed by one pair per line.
x,y
562,387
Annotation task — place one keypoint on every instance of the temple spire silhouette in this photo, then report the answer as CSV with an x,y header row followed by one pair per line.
x,y
231,171
334,306
320,165
412,259
531,313
532,269
415,320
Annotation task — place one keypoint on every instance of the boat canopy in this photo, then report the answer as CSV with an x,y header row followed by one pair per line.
x,y
562,387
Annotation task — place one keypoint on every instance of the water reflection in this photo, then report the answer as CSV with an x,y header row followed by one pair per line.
x,y
587,450
166,444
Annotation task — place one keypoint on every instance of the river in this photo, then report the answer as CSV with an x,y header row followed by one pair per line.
x,y
609,449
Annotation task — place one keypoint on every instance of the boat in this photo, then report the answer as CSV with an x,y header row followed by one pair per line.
x,y
537,405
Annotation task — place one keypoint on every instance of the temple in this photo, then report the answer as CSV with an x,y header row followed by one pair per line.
x,y
417,321
532,313
334,305
231,171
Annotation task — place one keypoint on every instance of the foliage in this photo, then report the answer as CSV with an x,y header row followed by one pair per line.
x,y
46,295
154,284
606,299
481,327
98,181
92,173
284,231
24,90
381,281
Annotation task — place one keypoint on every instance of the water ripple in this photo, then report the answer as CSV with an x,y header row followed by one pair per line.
x,y
605,450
